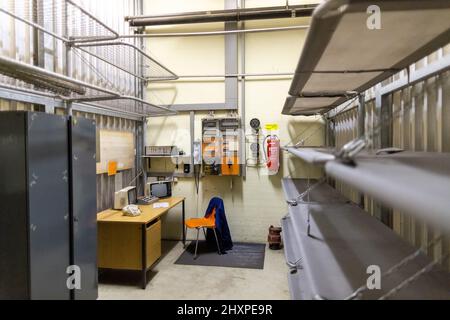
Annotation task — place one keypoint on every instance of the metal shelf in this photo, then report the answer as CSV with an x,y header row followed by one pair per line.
x,y
316,156
170,174
343,242
131,104
416,183
169,157
343,57
310,106
293,188
78,91
126,57
297,281
78,27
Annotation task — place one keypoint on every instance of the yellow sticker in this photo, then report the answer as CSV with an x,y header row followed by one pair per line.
x,y
272,127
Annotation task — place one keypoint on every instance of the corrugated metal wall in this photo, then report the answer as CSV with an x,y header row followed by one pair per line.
x,y
16,41
419,121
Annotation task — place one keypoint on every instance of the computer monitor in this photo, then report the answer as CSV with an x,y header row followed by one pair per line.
x,y
132,196
125,197
161,189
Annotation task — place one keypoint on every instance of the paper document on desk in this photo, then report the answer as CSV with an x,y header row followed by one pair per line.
x,y
161,205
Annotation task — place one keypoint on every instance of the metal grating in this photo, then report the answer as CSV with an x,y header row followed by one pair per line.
x,y
136,105
126,57
75,90
104,74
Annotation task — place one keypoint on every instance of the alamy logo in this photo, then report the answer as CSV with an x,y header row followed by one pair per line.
x,y
374,281
74,279
374,20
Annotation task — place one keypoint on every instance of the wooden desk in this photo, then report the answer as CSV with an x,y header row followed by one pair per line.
x,y
133,243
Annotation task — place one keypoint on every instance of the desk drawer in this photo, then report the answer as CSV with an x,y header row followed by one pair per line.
x,y
153,242
119,246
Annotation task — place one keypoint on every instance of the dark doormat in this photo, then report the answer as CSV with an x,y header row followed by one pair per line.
x,y
243,255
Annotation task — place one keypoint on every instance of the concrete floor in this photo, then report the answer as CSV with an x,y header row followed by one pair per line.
x,y
180,282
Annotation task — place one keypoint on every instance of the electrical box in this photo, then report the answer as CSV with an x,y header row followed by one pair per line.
x,y
221,147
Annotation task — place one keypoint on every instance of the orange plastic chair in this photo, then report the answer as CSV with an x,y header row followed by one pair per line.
x,y
209,222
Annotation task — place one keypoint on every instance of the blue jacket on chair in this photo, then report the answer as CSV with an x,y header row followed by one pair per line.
x,y
223,232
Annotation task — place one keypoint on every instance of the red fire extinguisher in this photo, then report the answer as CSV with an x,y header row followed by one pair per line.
x,y
272,153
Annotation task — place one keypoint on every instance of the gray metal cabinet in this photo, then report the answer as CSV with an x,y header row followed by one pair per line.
x,y
84,205
48,206
34,206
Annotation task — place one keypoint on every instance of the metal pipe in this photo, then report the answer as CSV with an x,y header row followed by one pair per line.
x,y
243,97
34,25
239,75
230,15
213,33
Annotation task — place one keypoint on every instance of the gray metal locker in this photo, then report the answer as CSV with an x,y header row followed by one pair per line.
x,y
34,206
84,205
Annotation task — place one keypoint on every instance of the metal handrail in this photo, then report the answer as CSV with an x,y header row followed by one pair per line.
x,y
30,69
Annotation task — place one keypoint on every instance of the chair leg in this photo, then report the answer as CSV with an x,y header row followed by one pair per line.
x,y
196,244
217,241
185,232
204,232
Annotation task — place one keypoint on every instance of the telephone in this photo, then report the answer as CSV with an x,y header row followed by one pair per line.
x,y
131,211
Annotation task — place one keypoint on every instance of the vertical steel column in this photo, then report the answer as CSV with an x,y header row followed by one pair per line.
x,y
140,162
362,132
38,46
67,60
192,131
377,112
386,141
139,10
143,161
38,41
231,61
386,119
243,97
362,115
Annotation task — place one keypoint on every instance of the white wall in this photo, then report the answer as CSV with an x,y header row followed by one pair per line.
x,y
254,203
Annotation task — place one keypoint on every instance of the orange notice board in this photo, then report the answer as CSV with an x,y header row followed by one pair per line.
x,y
112,168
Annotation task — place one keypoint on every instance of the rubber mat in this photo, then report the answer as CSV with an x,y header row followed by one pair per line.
x,y
243,255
